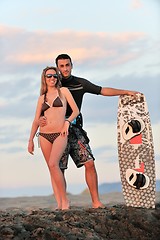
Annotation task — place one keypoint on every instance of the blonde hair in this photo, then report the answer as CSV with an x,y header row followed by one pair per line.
x,y
43,89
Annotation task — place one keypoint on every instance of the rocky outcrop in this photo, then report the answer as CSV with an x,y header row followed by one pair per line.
x,y
113,222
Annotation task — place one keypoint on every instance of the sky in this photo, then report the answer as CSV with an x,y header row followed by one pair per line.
x,y
112,44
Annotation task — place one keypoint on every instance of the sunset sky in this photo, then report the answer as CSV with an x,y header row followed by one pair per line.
x,y
112,43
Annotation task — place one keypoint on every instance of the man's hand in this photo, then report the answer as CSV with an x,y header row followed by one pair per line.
x,y
132,93
42,121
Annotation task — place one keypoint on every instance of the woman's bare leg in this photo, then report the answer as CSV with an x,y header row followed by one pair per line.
x,y
58,148
46,148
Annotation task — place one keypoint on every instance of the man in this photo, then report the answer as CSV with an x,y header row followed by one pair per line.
x,y
78,143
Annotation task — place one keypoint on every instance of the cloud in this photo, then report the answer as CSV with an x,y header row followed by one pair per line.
x,y
23,49
136,4
106,107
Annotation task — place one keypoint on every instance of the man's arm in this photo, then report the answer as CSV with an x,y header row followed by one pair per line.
x,y
116,92
42,121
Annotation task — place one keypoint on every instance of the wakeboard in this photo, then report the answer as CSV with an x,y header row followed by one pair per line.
x,y
136,151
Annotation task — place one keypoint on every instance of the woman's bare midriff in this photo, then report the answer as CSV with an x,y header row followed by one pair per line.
x,y
55,120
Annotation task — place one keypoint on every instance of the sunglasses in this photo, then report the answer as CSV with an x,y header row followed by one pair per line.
x,y
51,75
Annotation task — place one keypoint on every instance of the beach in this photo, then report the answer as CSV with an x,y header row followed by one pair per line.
x,y
36,218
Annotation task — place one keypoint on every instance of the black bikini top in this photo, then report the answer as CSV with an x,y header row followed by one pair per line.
x,y
56,103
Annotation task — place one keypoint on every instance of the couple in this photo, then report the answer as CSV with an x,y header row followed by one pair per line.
x,y
61,133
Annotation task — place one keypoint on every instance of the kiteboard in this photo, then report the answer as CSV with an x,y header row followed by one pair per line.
x,y
136,151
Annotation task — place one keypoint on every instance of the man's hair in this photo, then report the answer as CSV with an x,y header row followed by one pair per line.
x,y
63,56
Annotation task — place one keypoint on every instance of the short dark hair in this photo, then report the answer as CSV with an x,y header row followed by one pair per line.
x,y
63,56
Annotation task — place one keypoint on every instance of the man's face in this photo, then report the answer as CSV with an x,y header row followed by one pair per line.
x,y
65,67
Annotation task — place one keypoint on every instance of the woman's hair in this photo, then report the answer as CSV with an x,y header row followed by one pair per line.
x,y
44,89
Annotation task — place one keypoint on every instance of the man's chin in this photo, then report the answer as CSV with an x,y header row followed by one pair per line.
x,y
65,76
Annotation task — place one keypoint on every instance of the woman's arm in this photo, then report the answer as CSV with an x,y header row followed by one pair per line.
x,y
35,125
73,106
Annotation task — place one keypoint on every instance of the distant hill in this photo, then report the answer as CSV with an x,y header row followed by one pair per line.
x,y
110,187
117,187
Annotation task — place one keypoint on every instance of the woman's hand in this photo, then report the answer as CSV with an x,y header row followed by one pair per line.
x,y
31,147
64,131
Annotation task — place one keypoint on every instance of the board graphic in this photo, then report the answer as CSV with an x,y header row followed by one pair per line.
x,y
136,152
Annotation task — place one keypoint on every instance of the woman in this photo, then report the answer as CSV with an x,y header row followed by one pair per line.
x,y
52,104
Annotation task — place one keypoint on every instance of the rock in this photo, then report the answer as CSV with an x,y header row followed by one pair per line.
x,y
113,222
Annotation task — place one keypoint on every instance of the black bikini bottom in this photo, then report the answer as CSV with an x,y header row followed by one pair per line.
x,y
51,137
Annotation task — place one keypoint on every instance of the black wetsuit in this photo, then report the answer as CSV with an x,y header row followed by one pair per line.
x,y
78,87
78,142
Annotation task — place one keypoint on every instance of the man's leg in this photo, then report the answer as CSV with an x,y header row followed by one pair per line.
x,y
92,182
82,155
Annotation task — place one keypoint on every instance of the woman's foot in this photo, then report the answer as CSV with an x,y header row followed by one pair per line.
x,y
65,205
57,209
98,205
